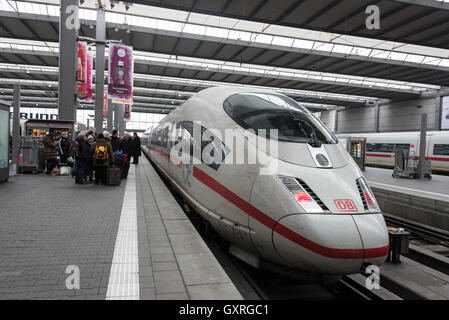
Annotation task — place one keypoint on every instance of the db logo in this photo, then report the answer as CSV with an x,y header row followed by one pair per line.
x,y
345,205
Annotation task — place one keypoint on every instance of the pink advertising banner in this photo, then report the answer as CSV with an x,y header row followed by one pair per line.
x,y
90,62
121,72
127,114
81,71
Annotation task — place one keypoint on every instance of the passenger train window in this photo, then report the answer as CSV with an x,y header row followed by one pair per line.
x,y
294,123
160,135
441,149
385,147
207,139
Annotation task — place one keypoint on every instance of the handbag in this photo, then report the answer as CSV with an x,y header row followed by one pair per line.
x,y
65,171
70,160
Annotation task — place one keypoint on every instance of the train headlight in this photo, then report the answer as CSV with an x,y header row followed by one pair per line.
x,y
306,199
367,195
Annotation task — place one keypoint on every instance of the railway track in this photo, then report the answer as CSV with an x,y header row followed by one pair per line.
x,y
428,245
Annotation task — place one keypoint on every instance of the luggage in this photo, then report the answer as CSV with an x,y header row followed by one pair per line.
x,y
113,176
65,170
125,169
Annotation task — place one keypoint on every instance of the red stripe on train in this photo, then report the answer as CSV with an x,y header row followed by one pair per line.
x,y
284,231
412,157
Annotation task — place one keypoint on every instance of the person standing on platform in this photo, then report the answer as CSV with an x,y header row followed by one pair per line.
x,y
64,146
89,172
127,147
50,153
102,158
137,152
115,141
82,158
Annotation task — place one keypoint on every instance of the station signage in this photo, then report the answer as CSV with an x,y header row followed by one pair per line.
x,y
36,116
121,73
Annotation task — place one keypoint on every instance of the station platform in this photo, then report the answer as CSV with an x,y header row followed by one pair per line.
x,y
127,242
422,201
414,280
435,188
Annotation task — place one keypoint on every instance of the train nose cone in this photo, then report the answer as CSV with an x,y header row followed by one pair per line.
x,y
330,244
374,235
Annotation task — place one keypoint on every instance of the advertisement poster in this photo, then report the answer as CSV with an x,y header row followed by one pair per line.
x,y
124,101
127,114
81,72
121,72
105,104
90,62
445,114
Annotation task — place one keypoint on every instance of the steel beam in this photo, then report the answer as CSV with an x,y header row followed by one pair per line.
x,y
68,52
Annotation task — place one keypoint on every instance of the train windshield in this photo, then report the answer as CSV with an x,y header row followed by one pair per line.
x,y
294,123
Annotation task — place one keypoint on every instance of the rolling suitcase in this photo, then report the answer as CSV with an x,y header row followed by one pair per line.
x,y
113,176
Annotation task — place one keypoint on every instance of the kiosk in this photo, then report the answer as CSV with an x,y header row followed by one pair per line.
x,y
356,147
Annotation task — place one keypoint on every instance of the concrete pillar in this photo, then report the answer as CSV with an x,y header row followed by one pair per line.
x,y
116,124
110,116
422,145
68,53
376,118
16,126
336,121
99,69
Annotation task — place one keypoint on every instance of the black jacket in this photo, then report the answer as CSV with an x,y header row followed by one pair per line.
x,y
136,147
116,144
83,150
127,147
63,146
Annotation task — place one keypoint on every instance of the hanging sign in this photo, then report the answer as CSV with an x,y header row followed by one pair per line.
x,y
121,72
127,113
81,71
105,104
90,62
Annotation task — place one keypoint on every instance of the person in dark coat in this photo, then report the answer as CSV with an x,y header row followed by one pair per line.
x,y
50,153
82,160
115,141
137,152
127,146
101,165
64,146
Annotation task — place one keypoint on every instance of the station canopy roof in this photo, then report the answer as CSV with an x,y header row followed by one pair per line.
x,y
318,52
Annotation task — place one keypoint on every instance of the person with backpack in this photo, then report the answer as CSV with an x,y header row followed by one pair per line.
x,y
82,158
102,158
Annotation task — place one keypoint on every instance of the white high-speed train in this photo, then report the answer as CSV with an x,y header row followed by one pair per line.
x,y
314,213
380,147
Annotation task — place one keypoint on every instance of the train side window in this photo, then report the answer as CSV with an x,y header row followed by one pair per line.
x,y
207,138
385,147
441,149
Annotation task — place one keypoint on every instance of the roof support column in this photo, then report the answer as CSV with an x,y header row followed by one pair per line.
x,y
99,69
68,52
110,108
376,118
16,126
422,145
